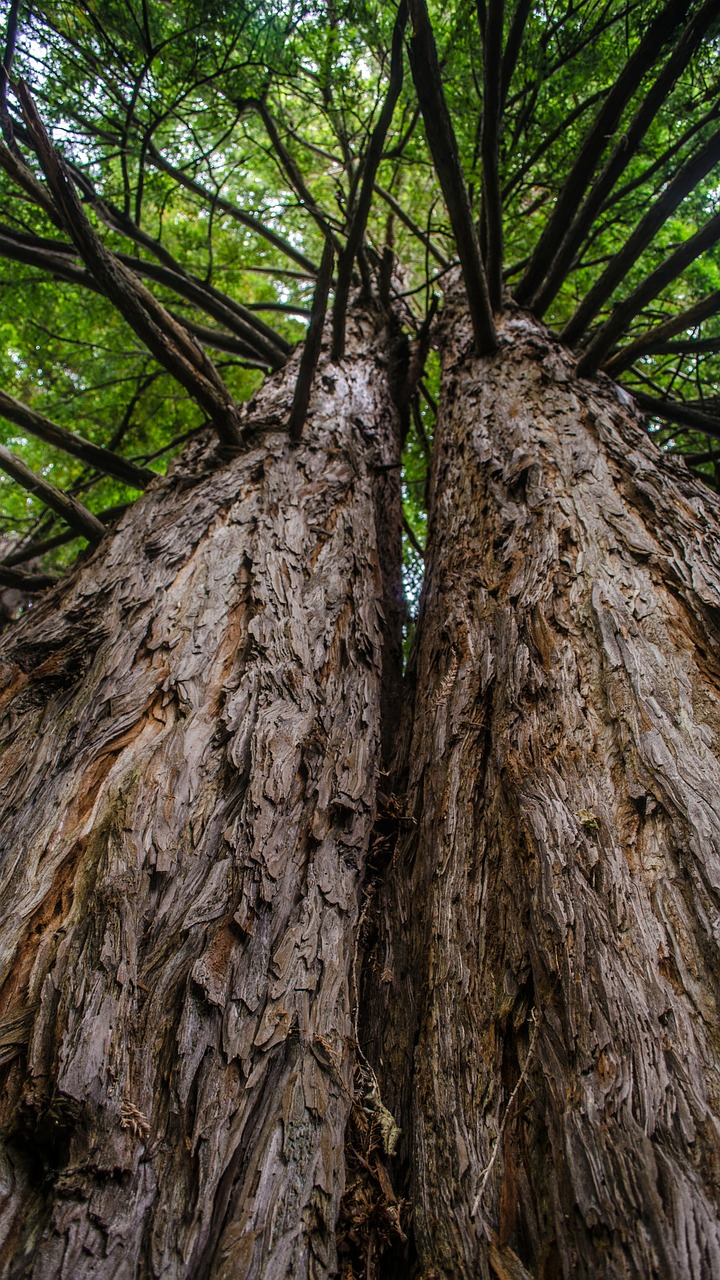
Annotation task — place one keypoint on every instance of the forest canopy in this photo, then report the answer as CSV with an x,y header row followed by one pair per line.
x,y
240,162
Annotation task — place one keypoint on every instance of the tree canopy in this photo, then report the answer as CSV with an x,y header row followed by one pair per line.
x,y
184,189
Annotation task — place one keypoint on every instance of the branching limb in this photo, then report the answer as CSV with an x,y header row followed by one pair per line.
x,y
40,547
22,581
405,218
6,68
625,311
513,47
617,269
356,231
93,455
72,511
604,126
292,172
233,210
56,257
575,235
490,151
419,349
412,538
446,158
168,341
653,339
674,411
313,343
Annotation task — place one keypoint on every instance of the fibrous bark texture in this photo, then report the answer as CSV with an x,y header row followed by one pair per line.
x,y
191,739
547,938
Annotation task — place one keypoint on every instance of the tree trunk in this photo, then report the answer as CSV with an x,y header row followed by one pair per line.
x,y
546,937
192,737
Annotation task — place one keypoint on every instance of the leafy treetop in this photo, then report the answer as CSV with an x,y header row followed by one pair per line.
x,y
184,188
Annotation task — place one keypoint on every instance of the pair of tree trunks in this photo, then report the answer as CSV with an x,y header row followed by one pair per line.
x,y
202,915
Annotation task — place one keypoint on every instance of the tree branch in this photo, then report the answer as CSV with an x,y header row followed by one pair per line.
x,y
404,217
626,311
647,342
446,158
695,169
573,238
675,411
233,210
171,344
29,582
412,538
313,344
31,550
356,231
72,511
93,455
56,257
6,68
292,171
513,47
588,157
490,151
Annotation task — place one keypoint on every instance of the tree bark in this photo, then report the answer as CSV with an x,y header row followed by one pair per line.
x,y
191,741
541,1000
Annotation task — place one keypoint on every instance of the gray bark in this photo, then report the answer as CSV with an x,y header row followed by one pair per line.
x,y
541,1000
191,739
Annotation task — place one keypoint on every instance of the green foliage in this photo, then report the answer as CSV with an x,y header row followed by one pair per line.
x,y
161,107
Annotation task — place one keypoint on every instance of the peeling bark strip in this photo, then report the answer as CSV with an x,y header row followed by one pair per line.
x,y
191,738
548,938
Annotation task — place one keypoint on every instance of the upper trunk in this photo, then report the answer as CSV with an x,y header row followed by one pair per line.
x,y
191,739
548,935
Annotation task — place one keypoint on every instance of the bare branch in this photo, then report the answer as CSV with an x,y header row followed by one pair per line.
x,y
490,151
171,344
292,171
29,582
72,511
647,342
686,180
56,257
32,550
6,68
604,126
313,343
573,238
446,158
412,538
356,231
234,211
625,311
674,411
93,455
513,46
404,217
